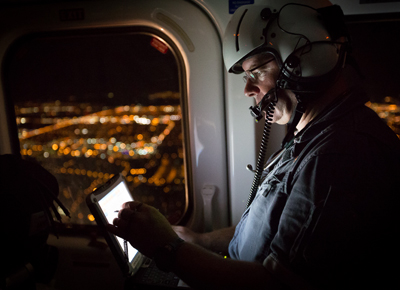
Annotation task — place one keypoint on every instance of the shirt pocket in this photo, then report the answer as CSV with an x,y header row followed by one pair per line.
x,y
270,201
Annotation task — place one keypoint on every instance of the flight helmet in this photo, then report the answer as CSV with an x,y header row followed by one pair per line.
x,y
308,39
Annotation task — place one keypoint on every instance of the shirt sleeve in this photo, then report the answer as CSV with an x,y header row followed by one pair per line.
x,y
318,226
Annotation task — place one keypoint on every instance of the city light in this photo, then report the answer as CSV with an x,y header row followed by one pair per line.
x,y
116,139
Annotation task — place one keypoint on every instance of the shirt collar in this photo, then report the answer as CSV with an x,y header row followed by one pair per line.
x,y
338,108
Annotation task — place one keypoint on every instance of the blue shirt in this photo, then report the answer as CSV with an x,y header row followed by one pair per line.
x,y
326,212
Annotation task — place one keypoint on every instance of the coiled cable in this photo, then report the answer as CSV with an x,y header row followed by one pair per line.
x,y
262,152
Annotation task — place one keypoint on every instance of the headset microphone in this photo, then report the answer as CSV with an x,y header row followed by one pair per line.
x,y
257,111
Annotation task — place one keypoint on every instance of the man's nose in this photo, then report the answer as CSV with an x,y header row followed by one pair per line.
x,y
251,89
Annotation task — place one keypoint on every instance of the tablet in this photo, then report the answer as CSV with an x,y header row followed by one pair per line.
x,y
104,203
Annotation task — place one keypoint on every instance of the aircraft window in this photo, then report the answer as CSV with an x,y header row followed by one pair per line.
x,y
92,105
376,49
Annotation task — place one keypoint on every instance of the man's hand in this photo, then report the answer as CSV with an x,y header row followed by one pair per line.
x,y
216,241
143,226
187,234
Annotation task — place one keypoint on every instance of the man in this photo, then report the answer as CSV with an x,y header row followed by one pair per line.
x,y
324,213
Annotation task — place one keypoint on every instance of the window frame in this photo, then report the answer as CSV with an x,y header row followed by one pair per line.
x,y
183,90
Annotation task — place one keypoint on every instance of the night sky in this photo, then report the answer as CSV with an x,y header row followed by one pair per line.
x,y
376,47
88,68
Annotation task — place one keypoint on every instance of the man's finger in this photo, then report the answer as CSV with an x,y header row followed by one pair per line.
x,y
133,205
115,230
126,214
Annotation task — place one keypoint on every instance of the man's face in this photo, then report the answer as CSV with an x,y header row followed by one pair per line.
x,y
266,70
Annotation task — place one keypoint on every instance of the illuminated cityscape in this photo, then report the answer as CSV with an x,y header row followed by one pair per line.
x,y
83,145
388,111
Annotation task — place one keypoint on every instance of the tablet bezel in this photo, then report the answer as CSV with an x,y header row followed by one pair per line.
x,y
128,267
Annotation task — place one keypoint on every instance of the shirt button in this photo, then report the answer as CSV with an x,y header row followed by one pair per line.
x,y
267,189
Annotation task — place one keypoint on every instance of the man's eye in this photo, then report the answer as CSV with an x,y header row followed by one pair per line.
x,y
261,74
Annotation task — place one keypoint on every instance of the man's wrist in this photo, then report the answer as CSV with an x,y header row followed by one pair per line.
x,y
165,256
